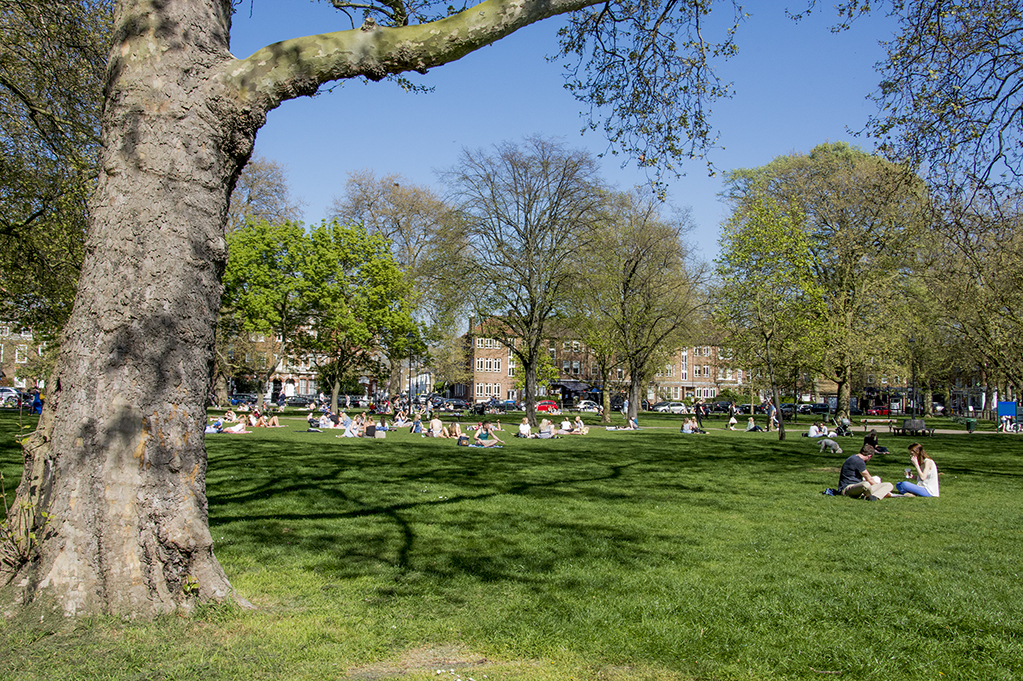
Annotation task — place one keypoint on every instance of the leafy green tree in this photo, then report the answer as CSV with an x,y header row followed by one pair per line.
x,y
425,241
357,304
265,284
767,302
862,217
52,59
635,274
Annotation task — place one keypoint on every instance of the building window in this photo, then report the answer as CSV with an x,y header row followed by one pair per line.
x,y
553,350
479,364
706,351
575,346
21,354
575,368
566,366
670,371
479,342
620,373
706,371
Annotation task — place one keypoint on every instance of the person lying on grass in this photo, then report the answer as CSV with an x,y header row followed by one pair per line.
x,y
926,475
485,436
855,480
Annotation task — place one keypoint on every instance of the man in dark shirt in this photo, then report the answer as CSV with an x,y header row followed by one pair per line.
x,y
856,481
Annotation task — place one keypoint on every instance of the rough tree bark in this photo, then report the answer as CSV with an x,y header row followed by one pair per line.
x,y
114,478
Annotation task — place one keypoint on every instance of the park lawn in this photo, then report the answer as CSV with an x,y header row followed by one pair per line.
x,y
617,555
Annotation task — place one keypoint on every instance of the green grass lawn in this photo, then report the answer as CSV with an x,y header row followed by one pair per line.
x,y
617,555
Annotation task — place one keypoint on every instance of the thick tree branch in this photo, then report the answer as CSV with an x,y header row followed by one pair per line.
x,y
298,67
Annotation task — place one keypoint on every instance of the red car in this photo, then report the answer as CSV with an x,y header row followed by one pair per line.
x,y
549,406
879,411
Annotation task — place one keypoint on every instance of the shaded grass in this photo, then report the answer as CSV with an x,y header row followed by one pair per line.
x,y
615,555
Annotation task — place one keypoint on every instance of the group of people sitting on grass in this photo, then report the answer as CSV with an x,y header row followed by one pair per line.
x,y
854,480
239,422
691,426
547,429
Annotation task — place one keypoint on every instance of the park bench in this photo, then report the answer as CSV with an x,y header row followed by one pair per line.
x,y
913,427
867,423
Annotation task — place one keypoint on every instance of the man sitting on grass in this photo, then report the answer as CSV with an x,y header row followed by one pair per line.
x,y
485,436
856,481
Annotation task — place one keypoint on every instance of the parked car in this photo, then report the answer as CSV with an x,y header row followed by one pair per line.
x,y
880,410
12,397
242,398
456,404
721,407
587,405
548,406
301,401
671,407
820,408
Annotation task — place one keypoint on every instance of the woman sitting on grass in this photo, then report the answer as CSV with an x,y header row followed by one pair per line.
x,y
579,428
871,439
752,427
926,474
525,430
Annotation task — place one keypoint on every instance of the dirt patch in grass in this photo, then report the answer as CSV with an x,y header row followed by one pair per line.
x,y
428,658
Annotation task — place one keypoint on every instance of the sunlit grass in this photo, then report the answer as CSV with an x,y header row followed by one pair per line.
x,y
646,555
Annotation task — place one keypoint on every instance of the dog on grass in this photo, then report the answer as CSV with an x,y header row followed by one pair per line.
x,y
830,444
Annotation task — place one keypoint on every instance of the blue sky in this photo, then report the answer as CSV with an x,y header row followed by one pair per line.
x,y
796,85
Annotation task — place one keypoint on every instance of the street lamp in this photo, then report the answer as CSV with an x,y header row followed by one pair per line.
x,y
912,370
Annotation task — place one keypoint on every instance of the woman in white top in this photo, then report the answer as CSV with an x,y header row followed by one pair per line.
x,y
926,474
524,429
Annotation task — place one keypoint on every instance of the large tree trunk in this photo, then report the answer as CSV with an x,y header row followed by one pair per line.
x,y
115,475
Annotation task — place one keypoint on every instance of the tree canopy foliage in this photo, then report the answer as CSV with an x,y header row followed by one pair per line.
x,y
52,59
862,219
634,277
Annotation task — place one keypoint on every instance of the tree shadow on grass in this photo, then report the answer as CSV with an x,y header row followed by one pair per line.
x,y
346,509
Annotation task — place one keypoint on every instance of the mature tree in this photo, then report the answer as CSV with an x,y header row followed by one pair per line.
x,y
767,302
52,58
262,194
358,305
114,487
972,276
425,241
635,272
525,208
266,290
591,325
862,217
